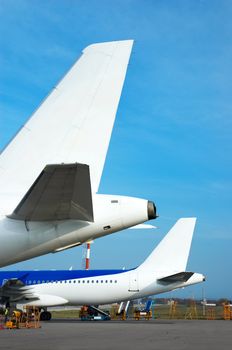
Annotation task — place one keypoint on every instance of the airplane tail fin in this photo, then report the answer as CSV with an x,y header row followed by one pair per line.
x,y
171,255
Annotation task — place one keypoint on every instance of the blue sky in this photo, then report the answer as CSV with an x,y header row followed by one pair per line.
x,y
172,137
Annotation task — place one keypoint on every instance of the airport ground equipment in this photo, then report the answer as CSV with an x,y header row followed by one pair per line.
x,y
93,313
122,310
173,309
227,313
146,313
208,310
191,312
210,313
30,318
33,317
14,320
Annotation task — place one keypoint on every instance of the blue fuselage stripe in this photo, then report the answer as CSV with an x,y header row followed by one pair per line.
x,y
55,275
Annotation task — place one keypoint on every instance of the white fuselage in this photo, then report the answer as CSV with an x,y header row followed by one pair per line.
x,y
103,289
20,240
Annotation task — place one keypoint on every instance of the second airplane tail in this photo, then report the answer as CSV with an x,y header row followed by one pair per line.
x,y
171,255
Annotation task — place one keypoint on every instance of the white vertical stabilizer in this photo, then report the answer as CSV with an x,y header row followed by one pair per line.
x,y
171,255
72,125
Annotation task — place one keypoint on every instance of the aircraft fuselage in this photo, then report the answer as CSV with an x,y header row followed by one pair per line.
x,y
21,240
92,287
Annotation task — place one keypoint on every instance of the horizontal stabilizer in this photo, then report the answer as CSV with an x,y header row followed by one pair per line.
x,y
15,282
177,277
142,227
61,192
15,289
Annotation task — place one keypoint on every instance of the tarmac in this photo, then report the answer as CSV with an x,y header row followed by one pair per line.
x,y
129,334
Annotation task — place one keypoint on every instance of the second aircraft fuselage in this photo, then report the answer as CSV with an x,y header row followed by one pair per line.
x,y
91,287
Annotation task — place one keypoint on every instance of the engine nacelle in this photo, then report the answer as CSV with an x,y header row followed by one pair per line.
x,y
111,214
122,211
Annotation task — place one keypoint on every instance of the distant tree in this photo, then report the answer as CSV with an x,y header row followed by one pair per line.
x,y
223,301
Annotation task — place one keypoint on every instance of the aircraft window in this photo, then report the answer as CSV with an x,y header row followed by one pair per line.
x,y
96,281
47,281
70,281
38,281
101,281
79,281
34,282
74,281
65,281
52,281
83,281
92,281
29,282
43,281
111,281
115,281
106,281
87,281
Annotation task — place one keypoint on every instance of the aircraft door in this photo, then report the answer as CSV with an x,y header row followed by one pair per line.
x,y
133,282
